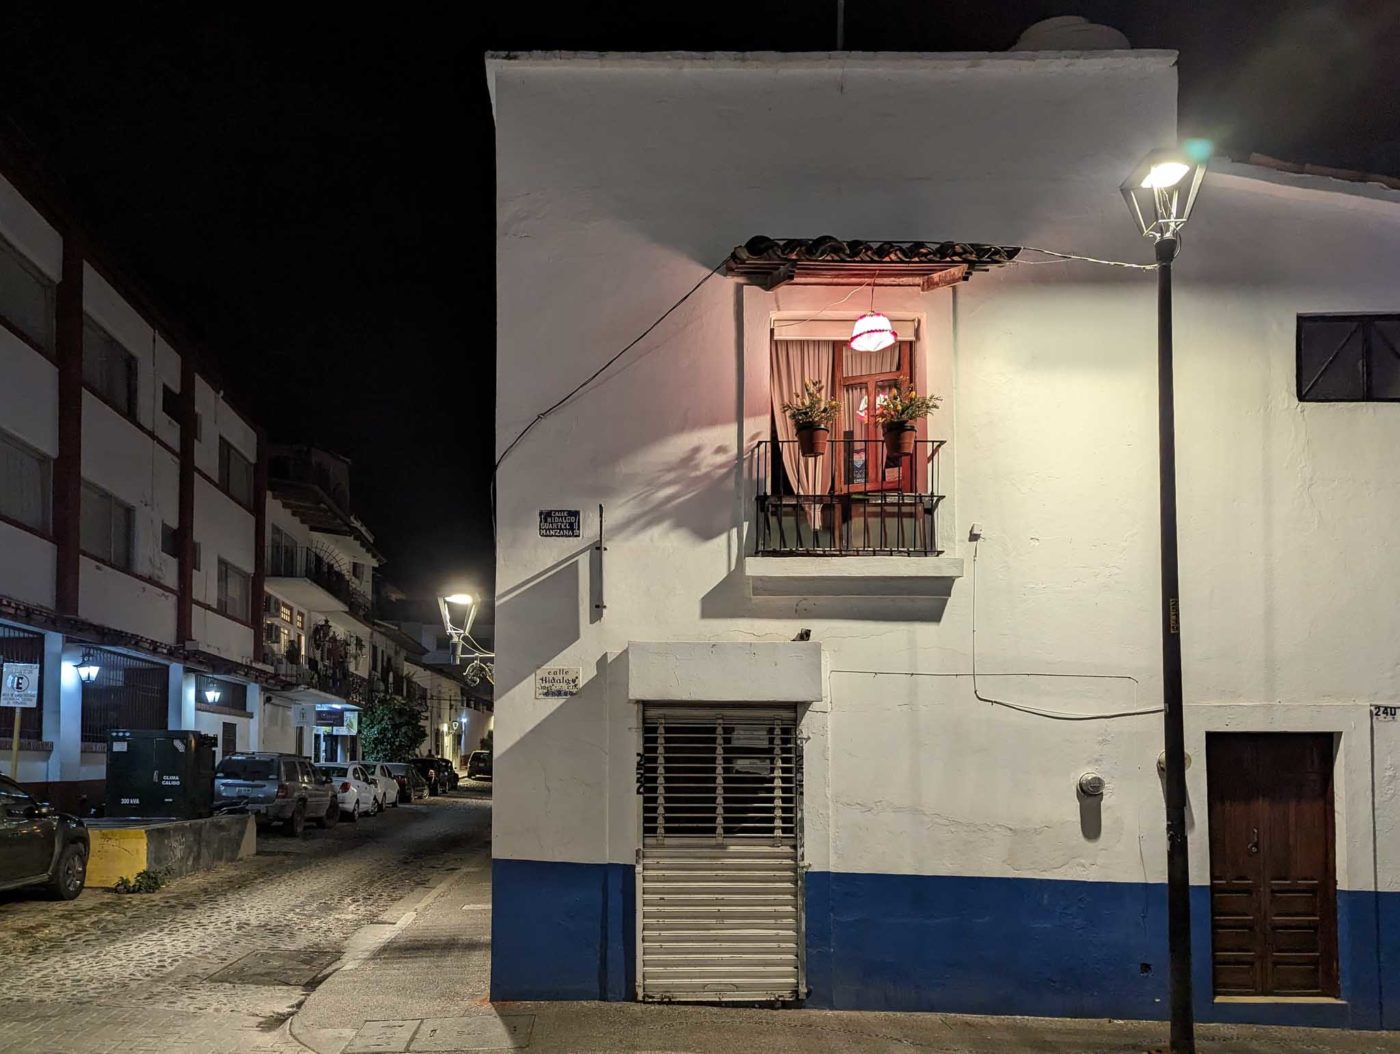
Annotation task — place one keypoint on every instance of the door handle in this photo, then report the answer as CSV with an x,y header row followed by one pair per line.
x,y
1253,840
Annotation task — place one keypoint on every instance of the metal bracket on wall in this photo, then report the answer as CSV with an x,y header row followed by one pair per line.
x,y
600,549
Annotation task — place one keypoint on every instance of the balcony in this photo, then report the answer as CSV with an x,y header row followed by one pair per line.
x,y
860,520
312,578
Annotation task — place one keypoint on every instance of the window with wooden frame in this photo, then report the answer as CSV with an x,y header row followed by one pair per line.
x,y
235,474
235,591
25,484
109,369
27,299
863,380
106,527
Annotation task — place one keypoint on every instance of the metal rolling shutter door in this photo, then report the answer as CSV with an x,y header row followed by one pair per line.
x,y
720,897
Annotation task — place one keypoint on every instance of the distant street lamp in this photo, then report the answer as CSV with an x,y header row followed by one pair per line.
x,y
1160,193
88,668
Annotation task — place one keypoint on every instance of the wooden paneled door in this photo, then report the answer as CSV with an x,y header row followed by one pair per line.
x,y
1273,880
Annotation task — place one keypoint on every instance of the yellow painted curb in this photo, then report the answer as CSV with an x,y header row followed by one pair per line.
x,y
117,852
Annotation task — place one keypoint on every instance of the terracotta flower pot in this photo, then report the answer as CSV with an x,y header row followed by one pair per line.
x,y
811,441
899,439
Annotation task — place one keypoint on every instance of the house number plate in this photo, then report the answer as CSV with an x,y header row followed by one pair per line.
x,y
1385,713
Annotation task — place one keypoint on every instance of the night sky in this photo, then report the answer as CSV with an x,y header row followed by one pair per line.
x,y
308,188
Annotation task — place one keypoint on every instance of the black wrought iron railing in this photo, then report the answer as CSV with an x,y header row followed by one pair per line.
x,y
338,681
293,561
125,693
862,497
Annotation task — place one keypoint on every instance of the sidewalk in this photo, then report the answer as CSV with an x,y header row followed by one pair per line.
x,y
421,984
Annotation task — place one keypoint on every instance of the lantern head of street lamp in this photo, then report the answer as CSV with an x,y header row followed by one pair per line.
x,y
212,695
458,629
88,669
1161,190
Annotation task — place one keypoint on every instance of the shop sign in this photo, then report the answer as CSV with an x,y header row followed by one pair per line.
x,y
330,716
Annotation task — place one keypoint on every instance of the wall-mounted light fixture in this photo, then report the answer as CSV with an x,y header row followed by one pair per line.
x,y
88,667
212,695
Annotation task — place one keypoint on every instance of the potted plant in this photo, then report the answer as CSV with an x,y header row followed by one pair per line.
x,y
896,413
812,413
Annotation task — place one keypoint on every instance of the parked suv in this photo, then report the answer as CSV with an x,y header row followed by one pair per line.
x,y
448,774
40,846
479,766
432,772
277,788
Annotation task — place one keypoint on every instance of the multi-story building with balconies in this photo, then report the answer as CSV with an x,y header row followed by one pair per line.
x,y
317,608
132,505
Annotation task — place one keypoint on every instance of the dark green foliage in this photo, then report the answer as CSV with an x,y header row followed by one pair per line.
x,y
146,881
391,727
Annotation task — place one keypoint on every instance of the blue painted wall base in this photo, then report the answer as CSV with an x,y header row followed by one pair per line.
x,y
1039,947
562,931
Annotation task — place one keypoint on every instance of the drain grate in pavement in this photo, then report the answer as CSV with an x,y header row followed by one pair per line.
x,y
276,967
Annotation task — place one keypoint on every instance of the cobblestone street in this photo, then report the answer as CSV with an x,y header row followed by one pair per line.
x,y
135,973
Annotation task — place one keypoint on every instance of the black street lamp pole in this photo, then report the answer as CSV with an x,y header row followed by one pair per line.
x,y
1183,1038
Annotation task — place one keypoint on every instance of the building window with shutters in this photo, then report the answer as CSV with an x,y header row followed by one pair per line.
x,y
235,474
109,369
1348,358
228,741
107,527
25,479
26,299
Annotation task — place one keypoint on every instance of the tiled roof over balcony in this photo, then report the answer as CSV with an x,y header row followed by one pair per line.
x,y
826,260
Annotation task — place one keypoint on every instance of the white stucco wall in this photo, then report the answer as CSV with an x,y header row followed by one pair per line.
x,y
621,183
28,400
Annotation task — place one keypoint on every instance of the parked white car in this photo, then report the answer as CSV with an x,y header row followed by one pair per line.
x,y
384,782
358,795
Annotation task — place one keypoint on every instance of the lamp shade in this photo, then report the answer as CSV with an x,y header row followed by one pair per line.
x,y
212,695
872,332
1161,190
88,669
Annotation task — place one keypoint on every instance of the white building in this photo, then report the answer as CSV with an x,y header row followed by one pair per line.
x,y
317,616
879,830
131,512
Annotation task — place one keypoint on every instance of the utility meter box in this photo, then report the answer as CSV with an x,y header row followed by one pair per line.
x,y
160,774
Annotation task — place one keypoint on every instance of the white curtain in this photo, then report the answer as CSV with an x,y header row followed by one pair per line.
x,y
794,362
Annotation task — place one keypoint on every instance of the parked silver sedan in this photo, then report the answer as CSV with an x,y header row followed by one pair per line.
x,y
384,781
358,796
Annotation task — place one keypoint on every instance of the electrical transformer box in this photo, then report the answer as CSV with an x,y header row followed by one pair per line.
x,y
160,774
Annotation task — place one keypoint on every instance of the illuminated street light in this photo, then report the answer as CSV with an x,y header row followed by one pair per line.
x,y
1160,193
478,662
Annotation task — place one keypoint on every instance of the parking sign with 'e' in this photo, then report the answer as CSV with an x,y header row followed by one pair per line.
x,y
19,685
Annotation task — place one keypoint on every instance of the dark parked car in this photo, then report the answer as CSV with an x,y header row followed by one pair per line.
x,y
40,846
449,773
479,766
433,773
412,785
276,788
